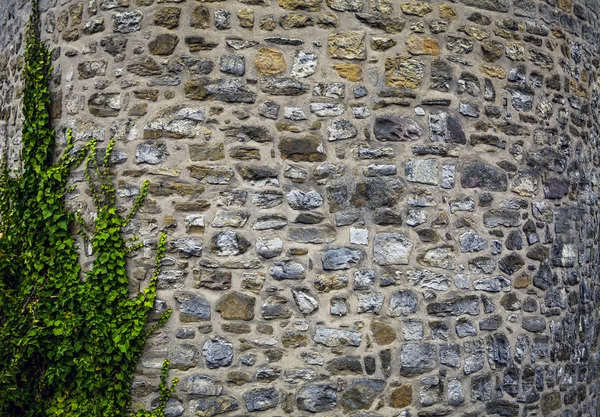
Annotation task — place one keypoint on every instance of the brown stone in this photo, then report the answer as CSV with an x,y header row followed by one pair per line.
x,y
349,44
163,44
382,44
522,281
352,72
294,340
493,71
492,50
202,152
200,17
565,5
268,22
138,109
418,45
308,148
308,5
404,72
198,205
416,8
144,67
447,12
76,13
295,21
148,94
244,153
383,333
236,306
246,18
167,17
475,32
269,61
550,402
401,396
71,35
195,90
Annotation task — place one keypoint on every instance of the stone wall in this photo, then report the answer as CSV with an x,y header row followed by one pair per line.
x,y
374,207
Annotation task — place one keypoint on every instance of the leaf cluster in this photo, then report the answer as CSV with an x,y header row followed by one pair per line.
x,y
69,340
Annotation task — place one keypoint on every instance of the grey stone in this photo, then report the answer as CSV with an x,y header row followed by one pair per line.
x,y
222,19
391,249
498,350
204,385
393,128
364,279
228,243
471,242
232,64
492,284
175,122
301,200
307,304
442,256
423,171
151,153
270,222
269,109
346,5
335,337
187,246
127,22
184,357
417,358
269,247
316,398
448,176
492,5
327,109
481,388
501,217
212,406
261,399
459,45
403,303
450,355
305,64
534,324
275,307
465,328
413,330
279,86
341,129
341,258
455,392
217,352
456,306
474,356
192,307
287,269
370,302
441,74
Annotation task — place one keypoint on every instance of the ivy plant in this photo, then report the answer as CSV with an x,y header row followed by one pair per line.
x,y
69,340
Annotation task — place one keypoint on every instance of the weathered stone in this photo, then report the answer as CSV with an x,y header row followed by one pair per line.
x,y
403,303
261,399
404,72
423,171
269,61
455,306
402,396
335,337
416,8
492,5
127,22
104,104
379,21
308,5
361,393
417,45
341,258
287,270
347,45
192,307
346,5
316,398
282,86
394,128
439,257
90,69
417,358
228,243
479,175
217,352
236,306
472,242
391,249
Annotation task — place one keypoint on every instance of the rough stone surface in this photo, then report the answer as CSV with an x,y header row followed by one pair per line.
x,y
372,208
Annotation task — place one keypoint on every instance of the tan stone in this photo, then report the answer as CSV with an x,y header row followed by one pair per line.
x,y
349,44
163,44
382,44
201,152
566,5
404,72
167,17
295,20
268,22
269,61
416,8
236,306
401,396
447,12
493,71
308,5
522,281
383,333
515,51
200,17
475,32
352,72
76,13
382,6
246,18
418,45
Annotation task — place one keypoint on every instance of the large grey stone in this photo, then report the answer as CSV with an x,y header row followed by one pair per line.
x,y
341,258
417,358
316,398
217,352
391,249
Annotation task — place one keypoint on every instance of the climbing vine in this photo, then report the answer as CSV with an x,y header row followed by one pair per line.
x,y
69,340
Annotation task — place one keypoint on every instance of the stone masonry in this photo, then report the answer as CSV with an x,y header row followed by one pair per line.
x,y
374,207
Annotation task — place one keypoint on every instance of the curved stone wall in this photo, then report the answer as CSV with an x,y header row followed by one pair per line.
x,y
374,207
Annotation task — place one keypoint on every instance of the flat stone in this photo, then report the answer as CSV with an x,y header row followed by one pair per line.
x,y
275,307
361,393
341,258
492,5
316,398
418,45
417,358
232,64
442,256
163,44
212,406
471,242
335,337
479,175
349,44
127,22
261,399
301,200
456,306
307,304
269,61
228,243
393,128
423,171
287,269
151,153
236,306
308,5
492,284
403,303
391,249
404,72
282,86
383,22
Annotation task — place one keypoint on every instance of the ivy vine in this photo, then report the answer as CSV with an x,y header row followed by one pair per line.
x,y
69,340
